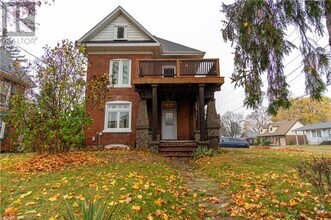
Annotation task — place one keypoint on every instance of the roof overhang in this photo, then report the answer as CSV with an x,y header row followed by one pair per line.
x,y
15,79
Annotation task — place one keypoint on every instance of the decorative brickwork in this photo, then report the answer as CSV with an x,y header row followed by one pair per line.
x,y
142,137
213,124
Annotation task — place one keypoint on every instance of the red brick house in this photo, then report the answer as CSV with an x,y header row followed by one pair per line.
x,y
163,92
12,80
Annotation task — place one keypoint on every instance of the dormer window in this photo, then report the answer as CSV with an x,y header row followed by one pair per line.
x,y
270,129
120,33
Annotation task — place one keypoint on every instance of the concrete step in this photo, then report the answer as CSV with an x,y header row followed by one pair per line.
x,y
177,148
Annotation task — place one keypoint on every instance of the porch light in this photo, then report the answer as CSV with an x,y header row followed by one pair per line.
x,y
169,105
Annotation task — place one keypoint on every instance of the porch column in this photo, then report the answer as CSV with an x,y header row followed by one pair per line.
x,y
296,137
142,126
304,137
213,124
154,111
202,112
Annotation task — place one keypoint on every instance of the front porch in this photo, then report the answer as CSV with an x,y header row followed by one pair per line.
x,y
175,95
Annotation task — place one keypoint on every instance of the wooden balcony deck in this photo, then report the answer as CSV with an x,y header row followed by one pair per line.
x,y
179,71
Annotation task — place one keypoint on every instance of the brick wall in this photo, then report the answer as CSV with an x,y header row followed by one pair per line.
x,y
99,64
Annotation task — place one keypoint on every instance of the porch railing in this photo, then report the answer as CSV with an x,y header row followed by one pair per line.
x,y
179,67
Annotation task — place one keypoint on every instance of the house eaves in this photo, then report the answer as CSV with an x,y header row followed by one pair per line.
x,y
108,19
10,72
322,125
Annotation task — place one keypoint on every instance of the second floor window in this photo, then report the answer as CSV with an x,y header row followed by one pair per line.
x,y
4,93
2,127
120,71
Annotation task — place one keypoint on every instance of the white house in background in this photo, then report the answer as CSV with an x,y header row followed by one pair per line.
x,y
319,133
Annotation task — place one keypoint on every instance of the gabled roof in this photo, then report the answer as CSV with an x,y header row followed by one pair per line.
x,y
108,19
283,128
250,134
167,47
11,72
322,125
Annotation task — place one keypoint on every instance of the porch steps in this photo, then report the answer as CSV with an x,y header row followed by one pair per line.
x,y
177,148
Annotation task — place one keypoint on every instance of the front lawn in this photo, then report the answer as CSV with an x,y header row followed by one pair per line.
x,y
138,182
252,183
263,183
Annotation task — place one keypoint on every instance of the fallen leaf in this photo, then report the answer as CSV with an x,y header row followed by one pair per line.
x,y
25,194
136,207
10,211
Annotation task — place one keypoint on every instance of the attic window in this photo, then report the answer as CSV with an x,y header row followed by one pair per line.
x,y
120,33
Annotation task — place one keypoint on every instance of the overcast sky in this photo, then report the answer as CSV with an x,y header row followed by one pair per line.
x,y
196,24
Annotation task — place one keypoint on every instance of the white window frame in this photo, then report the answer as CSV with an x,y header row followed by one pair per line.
x,y
120,73
169,67
6,94
2,130
125,37
116,130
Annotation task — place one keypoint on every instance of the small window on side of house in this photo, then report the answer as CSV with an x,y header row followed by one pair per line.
x,y
2,127
120,33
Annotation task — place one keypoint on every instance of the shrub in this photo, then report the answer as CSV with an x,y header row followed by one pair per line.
x,y
317,172
93,212
201,152
291,142
266,141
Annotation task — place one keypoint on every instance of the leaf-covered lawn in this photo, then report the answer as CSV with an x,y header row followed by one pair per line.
x,y
139,182
262,183
244,182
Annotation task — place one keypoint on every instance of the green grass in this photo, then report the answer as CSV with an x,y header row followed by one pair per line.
x,y
313,148
256,184
140,183
262,183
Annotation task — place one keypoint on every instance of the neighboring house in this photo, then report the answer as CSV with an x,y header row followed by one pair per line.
x,y
160,88
281,133
319,133
250,136
12,80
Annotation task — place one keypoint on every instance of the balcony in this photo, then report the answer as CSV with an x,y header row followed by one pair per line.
x,y
178,71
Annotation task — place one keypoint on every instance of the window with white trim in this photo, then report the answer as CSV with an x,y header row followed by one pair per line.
x,y
2,127
120,73
118,116
121,33
4,93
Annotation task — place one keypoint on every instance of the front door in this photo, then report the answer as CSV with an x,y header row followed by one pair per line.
x,y
169,124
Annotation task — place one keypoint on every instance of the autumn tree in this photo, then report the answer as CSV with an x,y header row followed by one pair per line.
x,y
231,124
257,30
307,110
53,121
256,119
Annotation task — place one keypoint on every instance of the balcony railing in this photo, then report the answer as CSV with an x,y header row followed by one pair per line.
x,y
179,68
